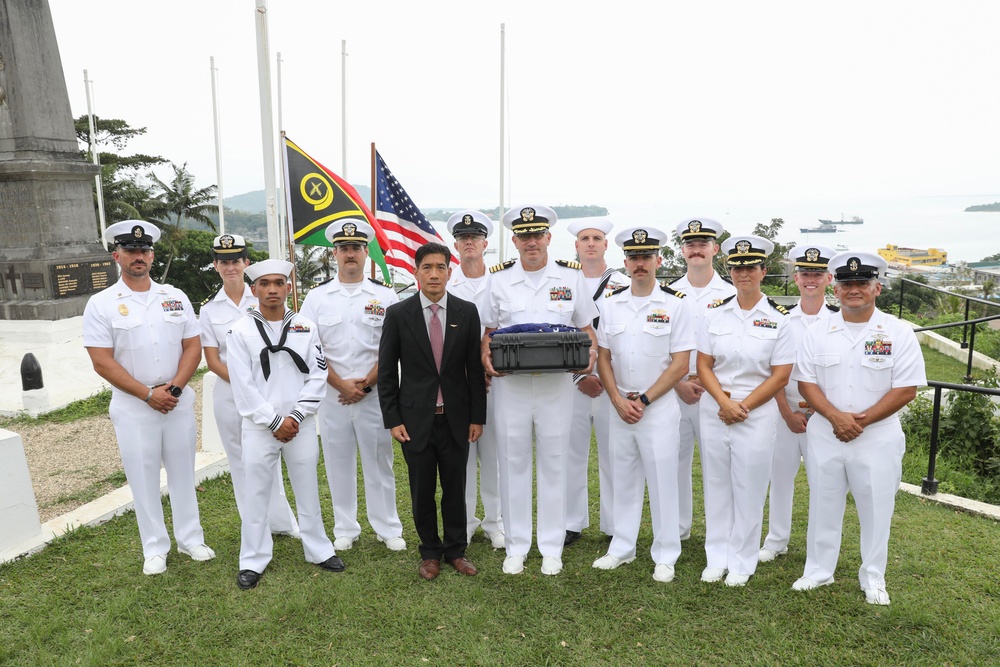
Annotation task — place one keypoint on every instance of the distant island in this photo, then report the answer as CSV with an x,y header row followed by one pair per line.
x,y
979,208
564,212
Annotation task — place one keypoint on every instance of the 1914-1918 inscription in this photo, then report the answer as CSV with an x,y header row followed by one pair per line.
x,y
75,278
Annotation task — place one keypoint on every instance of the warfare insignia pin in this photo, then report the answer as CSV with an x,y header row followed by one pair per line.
x,y
123,309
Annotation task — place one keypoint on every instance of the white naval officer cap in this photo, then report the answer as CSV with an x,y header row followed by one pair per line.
x,y
811,257
349,231
529,219
600,224
132,234
229,246
746,250
699,229
470,222
643,240
853,265
269,267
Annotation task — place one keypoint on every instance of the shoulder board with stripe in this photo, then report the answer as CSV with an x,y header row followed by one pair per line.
x,y
500,267
569,264
792,307
328,280
833,309
671,290
616,291
721,302
381,282
727,279
675,280
777,306
210,297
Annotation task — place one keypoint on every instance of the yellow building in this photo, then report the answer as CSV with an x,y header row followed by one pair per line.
x,y
913,256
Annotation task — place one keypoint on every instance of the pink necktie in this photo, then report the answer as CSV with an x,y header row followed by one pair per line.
x,y
437,344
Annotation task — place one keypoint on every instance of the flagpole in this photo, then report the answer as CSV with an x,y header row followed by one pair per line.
x,y
500,208
280,201
274,247
374,199
218,146
343,110
96,157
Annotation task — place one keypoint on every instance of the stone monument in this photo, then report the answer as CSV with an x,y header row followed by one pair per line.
x,y
50,255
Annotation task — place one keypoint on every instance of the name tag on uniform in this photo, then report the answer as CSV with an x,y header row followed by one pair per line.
x,y
765,323
560,294
658,316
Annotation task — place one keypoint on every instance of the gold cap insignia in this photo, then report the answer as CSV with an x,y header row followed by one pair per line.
x,y
466,219
527,214
639,236
227,241
812,255
743,247
138,231
694,226
854,264
350,229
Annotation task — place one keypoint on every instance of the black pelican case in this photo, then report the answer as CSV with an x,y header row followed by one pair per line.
x,y
540,352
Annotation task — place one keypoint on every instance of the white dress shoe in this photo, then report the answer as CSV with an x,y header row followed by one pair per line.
x,y
293,533
200,552
155,565
609,562
807,584
733,580
712,574
663,573
393,543
344,543
765,555
513,565
497,539
877,596
551,565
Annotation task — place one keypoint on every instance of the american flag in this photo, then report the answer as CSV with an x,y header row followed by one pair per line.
x,y
404,224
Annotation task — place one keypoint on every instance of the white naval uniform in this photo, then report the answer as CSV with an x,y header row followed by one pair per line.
x,y
789,448
350,321
587,411
854,370
482,453
736,459
145,331
642,334
716,290
538,400
216,318
263,405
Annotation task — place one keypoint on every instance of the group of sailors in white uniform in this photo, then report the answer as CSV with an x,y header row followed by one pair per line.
x,y
704,360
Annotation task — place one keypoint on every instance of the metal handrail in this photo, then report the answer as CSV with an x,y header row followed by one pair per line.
x,y
929,485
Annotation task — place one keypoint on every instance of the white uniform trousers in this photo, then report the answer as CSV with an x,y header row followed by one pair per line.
x,y
645,454
542,402
344,431
260,461
690,429
589,412
230,424
483,466
870,467
789,452
145,439
736,462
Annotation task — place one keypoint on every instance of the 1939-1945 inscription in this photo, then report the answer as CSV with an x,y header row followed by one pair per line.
x,y
75,278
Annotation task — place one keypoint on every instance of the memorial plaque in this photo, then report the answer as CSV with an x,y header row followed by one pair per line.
x,y
77,278
33,281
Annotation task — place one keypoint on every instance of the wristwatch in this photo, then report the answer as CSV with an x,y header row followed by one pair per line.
x,y
644,399
175,391
367,389
149,395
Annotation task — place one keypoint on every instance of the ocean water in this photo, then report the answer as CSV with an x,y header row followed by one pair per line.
x,y
916,222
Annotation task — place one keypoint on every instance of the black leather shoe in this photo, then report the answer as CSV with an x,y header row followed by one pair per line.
x,y
334,564
572,536
247,579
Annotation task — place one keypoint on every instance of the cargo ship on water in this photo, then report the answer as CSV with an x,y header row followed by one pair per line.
x,y
855,220
819,230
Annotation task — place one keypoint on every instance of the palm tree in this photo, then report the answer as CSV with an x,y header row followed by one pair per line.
x,y
180,200
307,268
989,287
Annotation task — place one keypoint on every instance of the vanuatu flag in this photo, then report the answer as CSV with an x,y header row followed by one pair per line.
x,y
316,197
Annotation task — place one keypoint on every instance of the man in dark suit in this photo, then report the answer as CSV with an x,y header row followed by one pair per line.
x,y
439,404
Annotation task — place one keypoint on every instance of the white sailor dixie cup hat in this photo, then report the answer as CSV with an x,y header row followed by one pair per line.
x,y
529,219
132,234
229,246
853,265
699,229
811,257
269,267
470,222
746,250
580,224
644,240
349,231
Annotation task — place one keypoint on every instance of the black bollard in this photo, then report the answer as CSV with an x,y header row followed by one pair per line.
x,y
31,373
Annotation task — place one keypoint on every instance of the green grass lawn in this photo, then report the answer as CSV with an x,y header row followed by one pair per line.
x,y
942,368
84,601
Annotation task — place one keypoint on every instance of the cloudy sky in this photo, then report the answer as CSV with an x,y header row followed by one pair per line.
x,y
608,102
